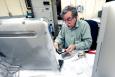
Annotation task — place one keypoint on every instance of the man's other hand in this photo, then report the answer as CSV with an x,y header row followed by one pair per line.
x,y
70,48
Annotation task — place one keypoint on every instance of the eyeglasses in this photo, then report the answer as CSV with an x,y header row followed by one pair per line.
x,y
68,19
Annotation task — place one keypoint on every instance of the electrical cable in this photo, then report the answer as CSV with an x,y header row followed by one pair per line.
x,y
9,13
21,7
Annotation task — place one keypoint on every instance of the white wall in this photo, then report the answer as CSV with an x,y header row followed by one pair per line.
x,y
91,7
15,7
3,9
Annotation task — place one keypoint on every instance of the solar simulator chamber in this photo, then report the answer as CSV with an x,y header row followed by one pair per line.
x,y
28,45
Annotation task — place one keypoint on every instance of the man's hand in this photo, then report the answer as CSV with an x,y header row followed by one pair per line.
x,y
56,45
70,48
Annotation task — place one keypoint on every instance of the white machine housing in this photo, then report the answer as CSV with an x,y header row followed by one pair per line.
x,y
43,9
28,44
104,65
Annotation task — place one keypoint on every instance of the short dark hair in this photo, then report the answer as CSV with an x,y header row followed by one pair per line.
x,y
69,8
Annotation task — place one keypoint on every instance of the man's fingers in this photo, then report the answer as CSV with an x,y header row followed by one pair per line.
x,y
68,49
56,45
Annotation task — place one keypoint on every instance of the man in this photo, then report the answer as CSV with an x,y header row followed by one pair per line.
x,y
75,34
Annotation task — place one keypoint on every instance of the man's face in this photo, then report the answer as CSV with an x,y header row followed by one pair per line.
x,y
69,20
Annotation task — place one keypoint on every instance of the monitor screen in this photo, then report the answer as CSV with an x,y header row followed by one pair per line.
x,y
28,45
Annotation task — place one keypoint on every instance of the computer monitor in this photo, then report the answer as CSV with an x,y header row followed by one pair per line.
x,y
28,45
104,65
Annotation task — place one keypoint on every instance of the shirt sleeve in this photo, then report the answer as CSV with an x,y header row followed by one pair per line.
x,y
60,38
86,39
